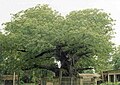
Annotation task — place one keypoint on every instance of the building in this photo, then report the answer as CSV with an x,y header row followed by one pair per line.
x,y
90,79
111,76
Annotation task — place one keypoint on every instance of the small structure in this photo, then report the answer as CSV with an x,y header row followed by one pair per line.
x,y
9,79
111,76
90,79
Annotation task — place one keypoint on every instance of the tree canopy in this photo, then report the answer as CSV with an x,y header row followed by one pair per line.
x,y
116,59
38,36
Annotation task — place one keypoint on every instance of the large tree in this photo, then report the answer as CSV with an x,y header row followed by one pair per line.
x,y
38,36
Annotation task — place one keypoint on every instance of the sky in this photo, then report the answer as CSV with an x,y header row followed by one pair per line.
x,y
8,7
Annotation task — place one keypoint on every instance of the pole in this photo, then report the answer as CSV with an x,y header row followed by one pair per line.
x,y
71,80
14,78
60,77
34,77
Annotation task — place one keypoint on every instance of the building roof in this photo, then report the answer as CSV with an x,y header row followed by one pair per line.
x,y
89,75
112,71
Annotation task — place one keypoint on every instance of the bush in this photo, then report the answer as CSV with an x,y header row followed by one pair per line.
x,y
110,83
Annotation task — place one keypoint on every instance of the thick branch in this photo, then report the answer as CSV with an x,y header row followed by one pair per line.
x,y
76,58
22,50
41,54
44,52
53,68
81,69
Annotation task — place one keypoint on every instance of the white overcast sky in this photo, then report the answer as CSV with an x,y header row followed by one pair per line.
x,y
8,7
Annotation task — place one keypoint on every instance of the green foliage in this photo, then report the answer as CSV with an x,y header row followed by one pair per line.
x,y
116,59
85,33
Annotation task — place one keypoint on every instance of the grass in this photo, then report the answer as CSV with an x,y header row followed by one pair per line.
x,y
29,84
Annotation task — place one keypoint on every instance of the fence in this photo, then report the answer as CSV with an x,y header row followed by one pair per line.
x,y
66,81
54,81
